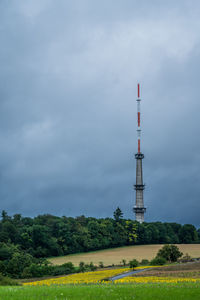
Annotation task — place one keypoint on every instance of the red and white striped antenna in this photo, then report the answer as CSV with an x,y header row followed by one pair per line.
x,y
138,118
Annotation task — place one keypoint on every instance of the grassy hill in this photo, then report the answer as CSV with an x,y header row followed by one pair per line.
x,y
115,255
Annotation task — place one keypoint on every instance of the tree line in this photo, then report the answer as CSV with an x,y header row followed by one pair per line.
x,y
48,235
26,242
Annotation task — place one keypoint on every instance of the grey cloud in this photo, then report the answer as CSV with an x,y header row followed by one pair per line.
x,y
68,112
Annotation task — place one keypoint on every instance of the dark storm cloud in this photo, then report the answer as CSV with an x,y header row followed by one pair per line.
x,y
68,113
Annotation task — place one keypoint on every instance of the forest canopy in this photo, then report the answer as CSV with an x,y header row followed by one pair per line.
x,y
48,235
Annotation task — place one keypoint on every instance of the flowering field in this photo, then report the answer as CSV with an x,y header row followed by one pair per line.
x,y
102,276
154,279
87,277
84,278
91,285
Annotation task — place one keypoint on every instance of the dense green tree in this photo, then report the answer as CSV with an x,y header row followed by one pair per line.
x,y
131,229
17,263
7,250
141,238
17,218
170,252
10,231
26,241
120,235
198,234
188,234
133,263
4,216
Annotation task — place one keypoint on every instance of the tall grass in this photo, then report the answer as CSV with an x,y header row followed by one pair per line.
x,y
189,291
6,281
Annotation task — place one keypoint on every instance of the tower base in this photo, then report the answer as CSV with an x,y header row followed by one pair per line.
x,y
139,213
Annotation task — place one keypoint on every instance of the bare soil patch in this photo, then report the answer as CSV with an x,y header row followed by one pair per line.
x,y
191,270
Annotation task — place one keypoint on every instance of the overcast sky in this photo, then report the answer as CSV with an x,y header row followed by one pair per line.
x,y
68,84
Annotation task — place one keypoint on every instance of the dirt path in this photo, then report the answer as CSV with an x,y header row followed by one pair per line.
x,y
127,274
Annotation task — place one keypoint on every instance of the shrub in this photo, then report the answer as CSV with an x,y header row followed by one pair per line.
x,y
4,280
64,269
101,265
36,270
82,266
33,270
133,263
185,258
92,266
158,261
144,262
123,262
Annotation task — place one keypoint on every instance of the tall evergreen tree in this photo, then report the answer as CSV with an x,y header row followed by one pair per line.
x,y
118,215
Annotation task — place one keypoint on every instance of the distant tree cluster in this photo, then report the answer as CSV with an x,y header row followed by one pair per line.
x,y
47,235
19,264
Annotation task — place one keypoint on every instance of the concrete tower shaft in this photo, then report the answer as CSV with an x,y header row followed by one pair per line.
x,y
139,208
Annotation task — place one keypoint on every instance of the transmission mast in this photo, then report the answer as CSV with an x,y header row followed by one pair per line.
x,y
139,208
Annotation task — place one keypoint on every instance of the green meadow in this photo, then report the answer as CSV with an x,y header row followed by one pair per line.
x,y
186,291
